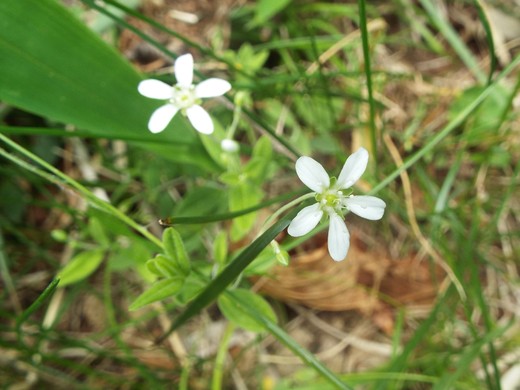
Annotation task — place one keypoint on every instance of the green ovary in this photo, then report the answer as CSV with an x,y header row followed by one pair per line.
x,y
184,97
330,199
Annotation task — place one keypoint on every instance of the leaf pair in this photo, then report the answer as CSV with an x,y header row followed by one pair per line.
x,y
172,267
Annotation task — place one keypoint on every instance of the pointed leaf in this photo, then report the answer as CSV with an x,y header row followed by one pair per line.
x,y
164,266
160,290
174,248
80,266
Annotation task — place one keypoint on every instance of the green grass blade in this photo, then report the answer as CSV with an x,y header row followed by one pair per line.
x,y
463,364
49,290
451,126
454,40
171,221
308,358
489,39
399,363
231,272
368,75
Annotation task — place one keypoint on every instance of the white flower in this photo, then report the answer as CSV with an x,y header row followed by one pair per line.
x,y
332,199
183,96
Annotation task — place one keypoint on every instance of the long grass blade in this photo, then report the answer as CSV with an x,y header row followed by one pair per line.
x,y
171,221
308,358
454,40
368,75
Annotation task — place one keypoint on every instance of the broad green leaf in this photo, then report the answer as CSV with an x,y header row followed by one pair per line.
x,y
263,148
53,65
233,309
80,266
174,248
162,289
97,231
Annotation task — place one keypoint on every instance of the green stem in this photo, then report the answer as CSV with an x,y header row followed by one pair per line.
x,y
236,118
218,370
368,75
282,209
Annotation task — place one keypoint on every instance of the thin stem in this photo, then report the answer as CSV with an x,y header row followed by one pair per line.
x,y
368,75
218,369
285,208
107,207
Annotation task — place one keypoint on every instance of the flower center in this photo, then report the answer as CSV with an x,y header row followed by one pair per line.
x,y
183,97
330,199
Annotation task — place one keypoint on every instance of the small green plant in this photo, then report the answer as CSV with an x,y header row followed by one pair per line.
x,y
137,197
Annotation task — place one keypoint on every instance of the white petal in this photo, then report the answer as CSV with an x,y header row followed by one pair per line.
x,y
339,238
183,68
353,169
200,119
211,88
312,174
155,89
365,206
305,220
161,117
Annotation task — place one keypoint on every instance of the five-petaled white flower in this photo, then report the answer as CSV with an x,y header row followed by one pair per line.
x,y
183,96
332,199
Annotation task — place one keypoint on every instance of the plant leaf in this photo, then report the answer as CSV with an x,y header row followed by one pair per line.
x,y
164,267
174,248
234,311
162,289
226,277
80,266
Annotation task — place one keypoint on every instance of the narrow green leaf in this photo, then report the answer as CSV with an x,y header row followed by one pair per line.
x,y
451,126
164,266
449,379
231,272
174,248
49,290
308,358
368,73
162,289
170,221
234,311
453,39
489,38
80,266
